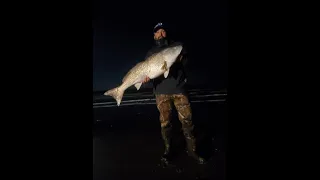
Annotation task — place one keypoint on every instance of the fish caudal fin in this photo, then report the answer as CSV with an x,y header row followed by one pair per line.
x,y
116,93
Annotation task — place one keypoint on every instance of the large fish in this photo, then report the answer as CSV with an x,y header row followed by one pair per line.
x,y
154,66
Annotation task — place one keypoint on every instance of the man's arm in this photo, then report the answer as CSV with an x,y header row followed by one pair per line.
x,y
183,57
149,53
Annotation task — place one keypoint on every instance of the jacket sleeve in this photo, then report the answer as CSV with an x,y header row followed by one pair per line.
x,y
184,55
149,53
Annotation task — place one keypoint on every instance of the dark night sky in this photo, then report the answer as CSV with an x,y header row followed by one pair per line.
x,y
123,35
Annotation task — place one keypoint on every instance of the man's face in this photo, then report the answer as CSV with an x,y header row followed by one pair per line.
x,y
161,33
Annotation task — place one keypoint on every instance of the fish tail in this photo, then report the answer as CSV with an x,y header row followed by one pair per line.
x,y
116,93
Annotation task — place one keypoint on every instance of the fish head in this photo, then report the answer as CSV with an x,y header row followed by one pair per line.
x,y
171,53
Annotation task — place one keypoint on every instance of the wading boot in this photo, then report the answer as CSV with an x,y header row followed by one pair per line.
x,y
167,136
191,146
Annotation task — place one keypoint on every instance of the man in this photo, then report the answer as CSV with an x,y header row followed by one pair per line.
x,y
171,92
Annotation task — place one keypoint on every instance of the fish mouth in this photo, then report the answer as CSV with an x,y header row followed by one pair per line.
x,y
179,48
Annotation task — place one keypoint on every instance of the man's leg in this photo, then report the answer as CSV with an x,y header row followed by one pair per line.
x,y
183,107
165,109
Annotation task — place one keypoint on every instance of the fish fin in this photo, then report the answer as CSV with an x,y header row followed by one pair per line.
x,y
138,85
164,66
166,73
116,93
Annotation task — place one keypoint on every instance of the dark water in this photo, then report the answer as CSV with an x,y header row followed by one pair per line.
x,y
127,143
134,97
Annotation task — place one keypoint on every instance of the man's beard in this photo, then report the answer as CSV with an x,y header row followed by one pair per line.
x,y
161,41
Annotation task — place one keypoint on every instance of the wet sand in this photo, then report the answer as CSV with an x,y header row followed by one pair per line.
x,y
127,143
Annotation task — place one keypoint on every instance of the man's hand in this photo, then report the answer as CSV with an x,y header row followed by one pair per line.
x,y
146,79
